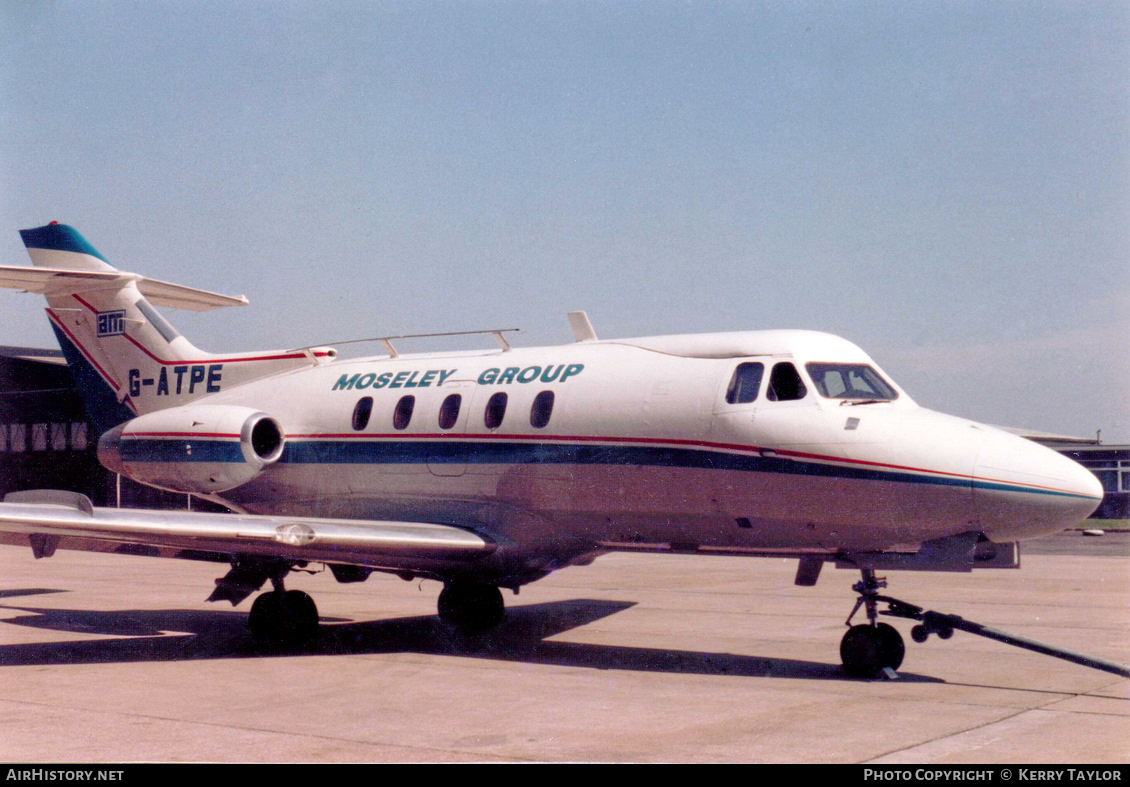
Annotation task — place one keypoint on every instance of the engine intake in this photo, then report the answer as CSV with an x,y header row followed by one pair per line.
x,y
196,448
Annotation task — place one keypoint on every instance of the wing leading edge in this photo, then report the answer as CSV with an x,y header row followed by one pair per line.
x,y
51,519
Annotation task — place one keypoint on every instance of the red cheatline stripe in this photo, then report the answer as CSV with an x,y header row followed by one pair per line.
x,y
532,437
179,434
220,359
110,380
279,357
84,303
751,449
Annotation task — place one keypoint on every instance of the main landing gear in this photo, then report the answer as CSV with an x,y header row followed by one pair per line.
x,y
283,617
287,618
471,607
869,648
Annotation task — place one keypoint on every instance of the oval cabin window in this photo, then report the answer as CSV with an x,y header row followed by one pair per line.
x,y
496,411
402,416
362,412
542,410
449,411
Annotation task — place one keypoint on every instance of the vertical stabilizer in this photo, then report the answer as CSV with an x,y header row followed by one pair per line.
x,y
126,358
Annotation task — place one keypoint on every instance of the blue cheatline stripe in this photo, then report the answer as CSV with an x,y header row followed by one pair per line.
x,y
415,452
102,405
58,237
999,486
482,452
476,452
149,449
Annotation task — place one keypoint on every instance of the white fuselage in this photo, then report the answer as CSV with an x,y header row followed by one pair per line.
x,y
643,445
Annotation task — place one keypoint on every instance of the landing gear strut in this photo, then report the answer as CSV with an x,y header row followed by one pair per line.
x,y
283,617
471,607
869,648
279,617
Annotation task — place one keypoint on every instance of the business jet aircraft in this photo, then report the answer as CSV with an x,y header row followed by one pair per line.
x,y
490,469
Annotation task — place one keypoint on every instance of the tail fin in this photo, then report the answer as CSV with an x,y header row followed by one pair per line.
x,y
126,358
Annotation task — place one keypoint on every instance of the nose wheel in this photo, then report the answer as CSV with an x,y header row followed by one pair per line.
x,y
869,648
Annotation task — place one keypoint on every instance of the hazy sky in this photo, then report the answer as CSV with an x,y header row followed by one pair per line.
x,y
946,184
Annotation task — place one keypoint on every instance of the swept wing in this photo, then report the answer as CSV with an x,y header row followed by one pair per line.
x,y
48,520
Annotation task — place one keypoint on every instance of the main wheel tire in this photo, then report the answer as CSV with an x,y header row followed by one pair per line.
x,y
469,607
892,649
866,650
287,618
263,616
301,614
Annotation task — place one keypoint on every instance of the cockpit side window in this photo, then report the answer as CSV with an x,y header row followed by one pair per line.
x,y
785,384
850,381
745,383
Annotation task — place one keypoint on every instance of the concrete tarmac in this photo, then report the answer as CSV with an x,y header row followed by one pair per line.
x,y
637,658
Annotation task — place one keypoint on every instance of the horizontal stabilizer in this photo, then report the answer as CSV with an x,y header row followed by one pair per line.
x,y
161,293
178,296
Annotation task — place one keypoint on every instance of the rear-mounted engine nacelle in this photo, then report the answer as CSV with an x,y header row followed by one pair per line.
x,y
196,448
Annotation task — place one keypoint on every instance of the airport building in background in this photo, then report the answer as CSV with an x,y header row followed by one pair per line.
x,y
46,442
1111,463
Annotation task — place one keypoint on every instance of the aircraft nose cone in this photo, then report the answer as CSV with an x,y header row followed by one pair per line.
x,y
1022,489
1084,482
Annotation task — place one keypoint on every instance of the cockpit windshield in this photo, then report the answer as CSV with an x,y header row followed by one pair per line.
x,y
850,381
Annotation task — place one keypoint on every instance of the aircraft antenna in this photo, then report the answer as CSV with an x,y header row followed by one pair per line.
x,y
386,341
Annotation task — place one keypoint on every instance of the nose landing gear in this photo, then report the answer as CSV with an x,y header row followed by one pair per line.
x,y
869,648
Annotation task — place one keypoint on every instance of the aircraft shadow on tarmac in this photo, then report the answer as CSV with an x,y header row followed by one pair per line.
x,y
29,592
181,635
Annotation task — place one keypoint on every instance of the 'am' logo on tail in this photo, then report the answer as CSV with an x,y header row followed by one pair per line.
x,y
111,323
